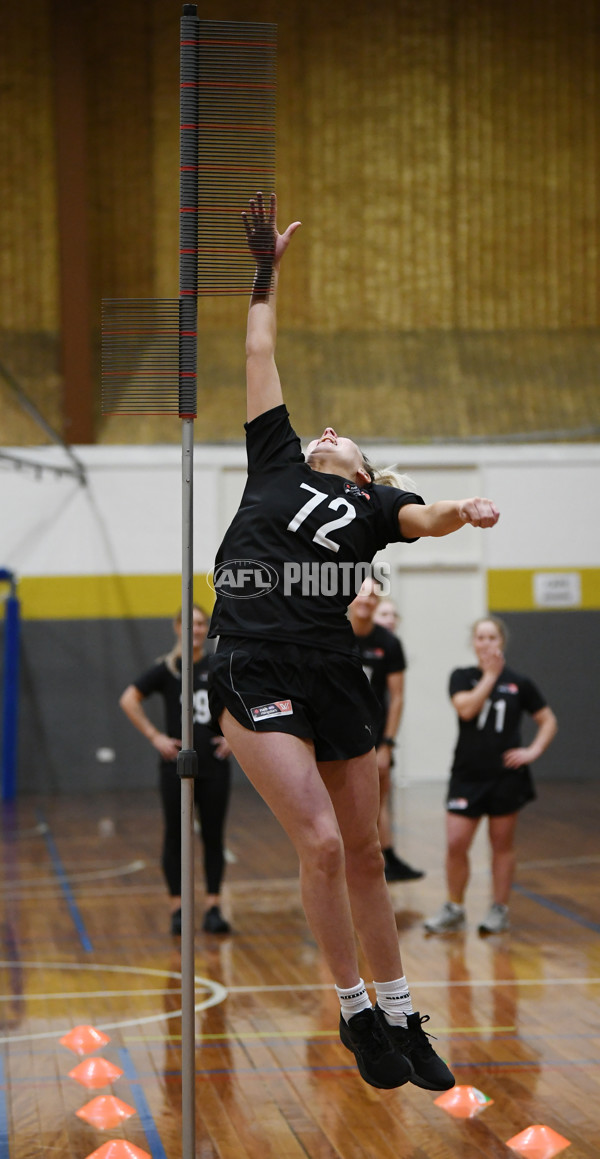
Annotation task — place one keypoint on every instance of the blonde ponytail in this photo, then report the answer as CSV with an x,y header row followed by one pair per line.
x,y
389,477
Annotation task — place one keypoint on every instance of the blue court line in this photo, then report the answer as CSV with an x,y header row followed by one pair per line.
x,y
4,1151
557,909
157,1150
57,865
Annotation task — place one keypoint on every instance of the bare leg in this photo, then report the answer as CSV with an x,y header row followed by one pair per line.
x,y
354,789
283,770
460,832
384,823
502,835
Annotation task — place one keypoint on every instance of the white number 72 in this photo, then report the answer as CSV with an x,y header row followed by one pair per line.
x,y
318,497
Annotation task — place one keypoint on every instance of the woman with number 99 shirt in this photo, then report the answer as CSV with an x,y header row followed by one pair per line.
x,y
211,786
287,685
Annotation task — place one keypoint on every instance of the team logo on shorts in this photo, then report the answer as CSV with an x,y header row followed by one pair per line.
x,y
276,708
458,803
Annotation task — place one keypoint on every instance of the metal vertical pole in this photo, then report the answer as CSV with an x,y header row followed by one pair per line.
x,y
187,760
186,765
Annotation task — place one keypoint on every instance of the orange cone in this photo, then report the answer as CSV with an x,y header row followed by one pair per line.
x,y
84,1039
106,1111
95,1072
463,1102
538,1143
119,1149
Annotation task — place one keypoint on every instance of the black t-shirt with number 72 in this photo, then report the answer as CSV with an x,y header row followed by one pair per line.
x,y
287,567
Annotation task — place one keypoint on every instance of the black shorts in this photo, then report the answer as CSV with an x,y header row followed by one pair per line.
x,y
305,691
495,797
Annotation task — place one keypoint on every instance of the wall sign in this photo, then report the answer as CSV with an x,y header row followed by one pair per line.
x,y
557,589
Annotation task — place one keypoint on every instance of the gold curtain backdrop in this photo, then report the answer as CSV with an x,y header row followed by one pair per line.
x,y
443,158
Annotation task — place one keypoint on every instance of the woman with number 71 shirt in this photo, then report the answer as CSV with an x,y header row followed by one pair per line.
x,y
490,772
287,685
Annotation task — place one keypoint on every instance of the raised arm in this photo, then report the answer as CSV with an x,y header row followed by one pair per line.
x,y
263,388
446,516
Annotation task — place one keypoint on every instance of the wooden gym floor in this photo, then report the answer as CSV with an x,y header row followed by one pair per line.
x,y
86,941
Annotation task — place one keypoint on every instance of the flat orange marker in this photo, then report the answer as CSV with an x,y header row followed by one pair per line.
x,y
95,1072
84,1039
463,1102
105,1111
119,1149
538,1142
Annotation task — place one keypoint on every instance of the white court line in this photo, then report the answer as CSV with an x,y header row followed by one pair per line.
x,y
216,994
89,875
307,986
429,985
56,995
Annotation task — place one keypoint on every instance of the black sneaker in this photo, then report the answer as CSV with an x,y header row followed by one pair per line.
x,y
429,1070
176,923
214,922
379,1063
398,870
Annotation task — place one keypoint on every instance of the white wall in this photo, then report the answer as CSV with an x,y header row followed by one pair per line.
x,y
127,521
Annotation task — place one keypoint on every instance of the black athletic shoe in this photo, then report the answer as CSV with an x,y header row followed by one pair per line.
x,y
176,923
214,922
379,1063
398,870
429,1070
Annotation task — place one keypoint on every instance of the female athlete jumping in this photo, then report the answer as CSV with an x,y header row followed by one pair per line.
x,y
289,691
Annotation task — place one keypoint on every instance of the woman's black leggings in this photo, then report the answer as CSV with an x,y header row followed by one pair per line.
x,y
211,795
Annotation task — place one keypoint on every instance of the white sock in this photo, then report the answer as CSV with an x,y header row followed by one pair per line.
x,y
353,1000
395,1001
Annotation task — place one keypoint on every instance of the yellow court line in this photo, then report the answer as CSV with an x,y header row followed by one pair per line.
x,y
305,1034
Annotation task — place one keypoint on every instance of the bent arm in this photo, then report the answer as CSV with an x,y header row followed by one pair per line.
x,y
547,729
469,704
446,516
131,703
395,689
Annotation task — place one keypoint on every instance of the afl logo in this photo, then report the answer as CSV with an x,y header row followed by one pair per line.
x,y
244,579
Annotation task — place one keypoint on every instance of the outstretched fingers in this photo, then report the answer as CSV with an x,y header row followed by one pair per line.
x,y
260,228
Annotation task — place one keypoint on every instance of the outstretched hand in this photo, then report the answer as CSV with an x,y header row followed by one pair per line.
x,y
478,512
266,245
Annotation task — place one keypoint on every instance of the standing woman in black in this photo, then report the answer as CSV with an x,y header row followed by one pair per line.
x,y
288,688
490,772
384,665
213,783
